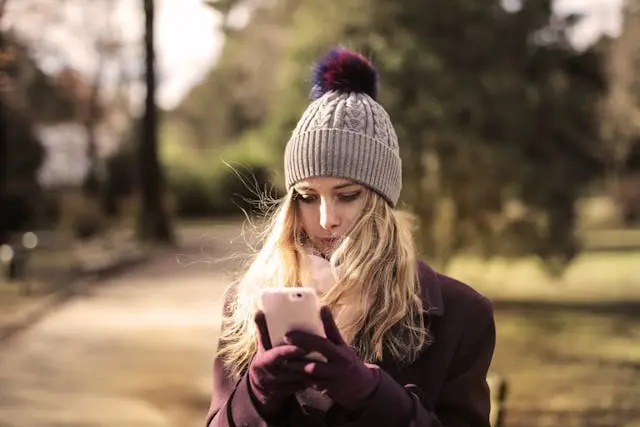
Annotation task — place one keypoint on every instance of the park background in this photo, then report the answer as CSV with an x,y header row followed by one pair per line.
x,y
138,135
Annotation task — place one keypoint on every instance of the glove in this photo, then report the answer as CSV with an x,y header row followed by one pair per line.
x,y
271,383
343,377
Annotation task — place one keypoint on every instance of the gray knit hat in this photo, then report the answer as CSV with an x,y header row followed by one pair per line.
x,y
345,132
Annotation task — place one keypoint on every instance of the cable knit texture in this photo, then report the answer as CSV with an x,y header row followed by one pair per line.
x,y
346,135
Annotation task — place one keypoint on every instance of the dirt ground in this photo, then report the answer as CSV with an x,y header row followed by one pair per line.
x,y
135,351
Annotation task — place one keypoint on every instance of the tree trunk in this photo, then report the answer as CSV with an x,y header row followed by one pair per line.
x,y
92,182
3,131
153,221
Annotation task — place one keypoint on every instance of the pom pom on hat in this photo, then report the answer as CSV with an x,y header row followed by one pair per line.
x,y
345,132
344,70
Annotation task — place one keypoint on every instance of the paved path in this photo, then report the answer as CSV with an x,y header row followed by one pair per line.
x,y
134,352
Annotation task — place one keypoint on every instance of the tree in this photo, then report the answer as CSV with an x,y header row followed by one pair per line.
x,y
153,221
496,116
28,97
225,8
621,118
24,155
234,98
621,115
4,122
75,26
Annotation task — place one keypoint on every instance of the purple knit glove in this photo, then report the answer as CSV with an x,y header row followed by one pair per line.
x,y
343,377
270,380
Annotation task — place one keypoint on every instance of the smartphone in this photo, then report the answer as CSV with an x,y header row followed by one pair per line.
x,y
287,309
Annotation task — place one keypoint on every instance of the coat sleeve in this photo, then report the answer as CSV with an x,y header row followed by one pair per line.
x,y
464,400
231,403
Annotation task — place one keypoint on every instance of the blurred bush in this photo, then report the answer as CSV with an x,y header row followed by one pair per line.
x,y
80,215
31,100
21,193
121,180
222,182
200,182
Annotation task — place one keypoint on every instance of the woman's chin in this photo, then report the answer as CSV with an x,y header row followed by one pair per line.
x,y
327,247
323,251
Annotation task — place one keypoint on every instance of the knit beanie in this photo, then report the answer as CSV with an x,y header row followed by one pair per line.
x,y
345,132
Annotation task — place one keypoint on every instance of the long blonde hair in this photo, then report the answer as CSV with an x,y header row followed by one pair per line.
x,y
376,276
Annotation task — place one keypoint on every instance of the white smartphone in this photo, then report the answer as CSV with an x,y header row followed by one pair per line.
x,y
287,309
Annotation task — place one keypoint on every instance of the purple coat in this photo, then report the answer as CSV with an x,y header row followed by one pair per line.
x,y
445,386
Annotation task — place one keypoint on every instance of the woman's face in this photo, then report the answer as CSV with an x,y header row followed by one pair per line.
x,y
328,208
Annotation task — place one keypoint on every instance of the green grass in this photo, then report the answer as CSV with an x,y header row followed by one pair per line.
x,y
210,222
59,259
612,238
593,276
562,358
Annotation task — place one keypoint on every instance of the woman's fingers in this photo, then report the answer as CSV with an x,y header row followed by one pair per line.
x,y
330,328
283,353
316,370
286,376
311,342
263,331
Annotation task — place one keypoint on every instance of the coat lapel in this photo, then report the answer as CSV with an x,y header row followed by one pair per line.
x,y
430,290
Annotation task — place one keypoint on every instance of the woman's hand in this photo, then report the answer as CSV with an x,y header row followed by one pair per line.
x,y
343,377
271,381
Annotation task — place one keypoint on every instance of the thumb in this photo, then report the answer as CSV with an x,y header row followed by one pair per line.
x,y
264,342
330,328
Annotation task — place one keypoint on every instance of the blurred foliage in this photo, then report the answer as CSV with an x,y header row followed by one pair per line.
x,y
497,115
621,116
25,153
217,182
621,112
121,179
200,182
235,96
28,89
81,215
29,98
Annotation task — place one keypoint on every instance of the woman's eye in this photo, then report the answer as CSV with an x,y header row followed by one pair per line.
x,y
306,198
349,197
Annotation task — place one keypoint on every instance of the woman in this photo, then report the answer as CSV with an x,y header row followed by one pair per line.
x,y
404,346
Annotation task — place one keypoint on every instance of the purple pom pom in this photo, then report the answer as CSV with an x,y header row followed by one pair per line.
x,y
344,70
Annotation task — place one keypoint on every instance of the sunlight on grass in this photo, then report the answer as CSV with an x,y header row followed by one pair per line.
x,y
592,276
211,223
611,238
563,358
63,258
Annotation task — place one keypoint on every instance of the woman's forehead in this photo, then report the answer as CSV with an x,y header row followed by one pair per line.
x,y
324,183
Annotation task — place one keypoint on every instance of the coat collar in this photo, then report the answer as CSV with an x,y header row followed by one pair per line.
x,y
430,290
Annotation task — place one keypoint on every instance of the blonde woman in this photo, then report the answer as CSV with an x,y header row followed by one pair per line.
x,y
404,346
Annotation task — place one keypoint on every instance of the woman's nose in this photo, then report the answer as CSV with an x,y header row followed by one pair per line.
x,y
329,218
